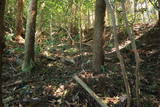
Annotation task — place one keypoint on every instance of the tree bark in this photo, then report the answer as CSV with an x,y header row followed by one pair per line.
x,y
134,47
98,39
28,62
2,45
158,12
19,23
122,64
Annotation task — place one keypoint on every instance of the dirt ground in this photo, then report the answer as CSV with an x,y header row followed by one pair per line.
x,y
50,84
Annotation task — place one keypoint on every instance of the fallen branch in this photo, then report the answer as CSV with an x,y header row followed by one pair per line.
x,y
17,83
37,101
102,104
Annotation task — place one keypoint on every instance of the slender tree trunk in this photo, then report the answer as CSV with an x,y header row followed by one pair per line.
x,y
92,17
19,23
88,18
2,45
51,26
40,20
122,65
158,12
28,62
137,57
147,12
98,39
80,32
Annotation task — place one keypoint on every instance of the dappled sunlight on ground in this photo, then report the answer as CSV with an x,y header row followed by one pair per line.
x,y
51,83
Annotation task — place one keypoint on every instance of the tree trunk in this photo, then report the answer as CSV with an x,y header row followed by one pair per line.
x,y
28,62
98,40
2,45
134,47
40,20
19,23
121,59
158,12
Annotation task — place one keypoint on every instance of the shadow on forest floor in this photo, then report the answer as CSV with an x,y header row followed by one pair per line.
x,y
51,84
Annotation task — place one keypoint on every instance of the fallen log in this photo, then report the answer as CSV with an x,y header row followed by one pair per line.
x,y
84,85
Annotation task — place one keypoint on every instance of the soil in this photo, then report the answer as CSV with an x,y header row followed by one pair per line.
x,y
50,84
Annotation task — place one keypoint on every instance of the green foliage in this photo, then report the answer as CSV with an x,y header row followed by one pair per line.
x,y
110,45
14,50
71,50
9,37
38,49
63,46
19,49
104,69
77,37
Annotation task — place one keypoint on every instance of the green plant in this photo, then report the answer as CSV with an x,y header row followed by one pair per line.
x,y
9,37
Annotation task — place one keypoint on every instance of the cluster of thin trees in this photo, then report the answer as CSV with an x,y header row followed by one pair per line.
x,y
98,51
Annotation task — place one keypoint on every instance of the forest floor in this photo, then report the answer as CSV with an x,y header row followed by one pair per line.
x,y
50,84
